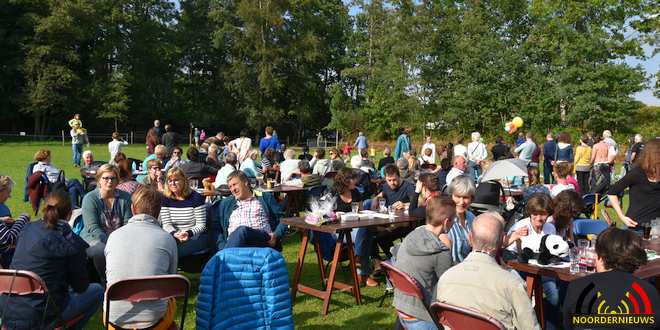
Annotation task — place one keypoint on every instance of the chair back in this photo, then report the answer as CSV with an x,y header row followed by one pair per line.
x,y
147,288
584,227
462,318
196,181
403,282
330,175
21,282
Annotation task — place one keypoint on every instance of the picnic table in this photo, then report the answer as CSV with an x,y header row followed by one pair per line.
x,y
342,230
535,272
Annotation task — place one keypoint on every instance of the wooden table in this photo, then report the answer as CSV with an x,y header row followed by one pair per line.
x,y
535,285
343,231
296,195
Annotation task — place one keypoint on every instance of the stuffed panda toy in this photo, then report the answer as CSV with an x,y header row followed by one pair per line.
x,y
546,249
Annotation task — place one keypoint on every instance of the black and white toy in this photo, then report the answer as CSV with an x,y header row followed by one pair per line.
x,y
546,249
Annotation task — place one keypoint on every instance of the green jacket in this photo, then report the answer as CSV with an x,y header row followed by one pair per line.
x,y
227,206
92,209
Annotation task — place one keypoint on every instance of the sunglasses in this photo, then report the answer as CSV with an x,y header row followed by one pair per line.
x,y
109,178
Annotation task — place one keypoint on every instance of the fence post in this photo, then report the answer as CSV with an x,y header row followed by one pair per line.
x,y
132,137
62,137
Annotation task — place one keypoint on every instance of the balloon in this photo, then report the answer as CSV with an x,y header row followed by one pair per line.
x,y
507,127
518,122
513,129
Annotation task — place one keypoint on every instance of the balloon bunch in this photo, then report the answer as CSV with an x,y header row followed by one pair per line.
x,y
512,126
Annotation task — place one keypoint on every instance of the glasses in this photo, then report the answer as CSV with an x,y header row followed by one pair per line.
x,y
108,178
154,168
173,181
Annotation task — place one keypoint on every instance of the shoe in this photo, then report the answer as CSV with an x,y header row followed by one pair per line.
x,y
367,281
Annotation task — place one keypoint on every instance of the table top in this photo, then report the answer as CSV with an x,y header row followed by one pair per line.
x,y
299,222
652,268
281,188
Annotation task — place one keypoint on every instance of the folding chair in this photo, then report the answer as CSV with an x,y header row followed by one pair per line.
x,y
23,282
462,318
584,227
139,289
406,284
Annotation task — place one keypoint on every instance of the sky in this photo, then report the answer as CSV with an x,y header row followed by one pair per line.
x,y
651,65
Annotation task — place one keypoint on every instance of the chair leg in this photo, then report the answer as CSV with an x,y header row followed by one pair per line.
x,y
397,324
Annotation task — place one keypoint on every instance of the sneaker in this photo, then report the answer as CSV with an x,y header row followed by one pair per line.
x,y
368,281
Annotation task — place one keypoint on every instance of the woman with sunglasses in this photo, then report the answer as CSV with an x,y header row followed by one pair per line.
x,y
104,209
183,214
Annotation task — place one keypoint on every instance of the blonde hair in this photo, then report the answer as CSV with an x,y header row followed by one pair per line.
x,y
6,183
105,168
176,172
42,155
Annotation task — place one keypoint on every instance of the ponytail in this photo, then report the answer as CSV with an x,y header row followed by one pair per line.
x,y
56,207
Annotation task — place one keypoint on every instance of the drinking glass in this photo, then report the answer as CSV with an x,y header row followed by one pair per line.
x,y
381,205
355,207
391,211
647,230
574,254
193,184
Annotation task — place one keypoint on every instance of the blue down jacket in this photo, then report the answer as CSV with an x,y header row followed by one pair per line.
x,y
244,288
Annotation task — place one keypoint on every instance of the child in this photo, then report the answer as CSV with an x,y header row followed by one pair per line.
x,y
561,172
76,120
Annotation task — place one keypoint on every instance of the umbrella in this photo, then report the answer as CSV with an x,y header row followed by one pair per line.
x,y
505,168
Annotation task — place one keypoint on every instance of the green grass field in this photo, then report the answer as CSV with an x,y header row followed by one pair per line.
x,y
14,158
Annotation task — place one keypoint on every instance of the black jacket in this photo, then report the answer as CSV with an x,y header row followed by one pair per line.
x,y
58,256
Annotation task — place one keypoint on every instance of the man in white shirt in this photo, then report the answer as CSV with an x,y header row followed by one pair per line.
x,y
241,146
476,153
223,173
459,166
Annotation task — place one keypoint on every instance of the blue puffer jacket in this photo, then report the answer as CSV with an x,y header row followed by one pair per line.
x,y
244,288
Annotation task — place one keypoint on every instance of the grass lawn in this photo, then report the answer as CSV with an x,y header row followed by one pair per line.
x,y
14,158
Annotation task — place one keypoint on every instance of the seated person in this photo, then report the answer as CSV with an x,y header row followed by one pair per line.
x,y
566,207
159,153
459,167
88,171
481,284
305,154
560,171
50,249
231,160
462,192
427,187
396,192
308,179
319,164
195,167
404,173
249,166
157,255
212,158
620,253
154,175
10,228
387,158
126,181
345,190
55,175
289,167
424,255
104,210
249,218
183,214
269,166
175,160
443,170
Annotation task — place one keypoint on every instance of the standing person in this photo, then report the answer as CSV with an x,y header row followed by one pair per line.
x,y
600,172
590,139
268,141
115,146
403,143
635,151
476,153
465,285
157,129
549,151
241,146
170,139
50,249
152,140
78,138
202,135
583,164
196,136
361,143
564,151
429,145
500,150
520,140
157,255
525,150
104,210
460,149
424,254
643,182
387,159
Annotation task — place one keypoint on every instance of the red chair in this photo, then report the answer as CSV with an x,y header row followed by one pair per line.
x,y
23,282
139,289
405,283
462,318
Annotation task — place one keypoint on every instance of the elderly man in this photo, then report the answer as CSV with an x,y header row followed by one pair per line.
x,y
157,255
425,255
88,170
459,167
248,218
481,284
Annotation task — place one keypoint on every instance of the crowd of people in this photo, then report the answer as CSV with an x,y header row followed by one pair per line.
x,y
163,202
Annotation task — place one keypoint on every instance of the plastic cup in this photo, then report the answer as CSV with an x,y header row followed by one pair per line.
x,y
355,207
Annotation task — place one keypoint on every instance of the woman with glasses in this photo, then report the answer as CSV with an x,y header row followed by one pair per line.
x,y
154,175
175,160
183,214
104,209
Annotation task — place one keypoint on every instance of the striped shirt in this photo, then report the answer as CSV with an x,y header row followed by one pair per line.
x,y
460,247
186,215
250,214
9,234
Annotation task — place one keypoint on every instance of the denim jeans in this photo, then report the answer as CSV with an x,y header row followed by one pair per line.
x,y
247,237
96,252
363,242
418,325
76,192
86,303
191,246
547,172
77,153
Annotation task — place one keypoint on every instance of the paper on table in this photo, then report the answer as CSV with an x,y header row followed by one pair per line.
x,y
564,264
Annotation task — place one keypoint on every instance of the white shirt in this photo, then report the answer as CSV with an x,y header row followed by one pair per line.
x,y
223,173
114,147
321,167
460,149
52,172
547,229
453,173
287,168
556,189
424,157
241,146
477,151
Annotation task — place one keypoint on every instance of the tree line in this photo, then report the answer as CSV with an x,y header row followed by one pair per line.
x,y
307,65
